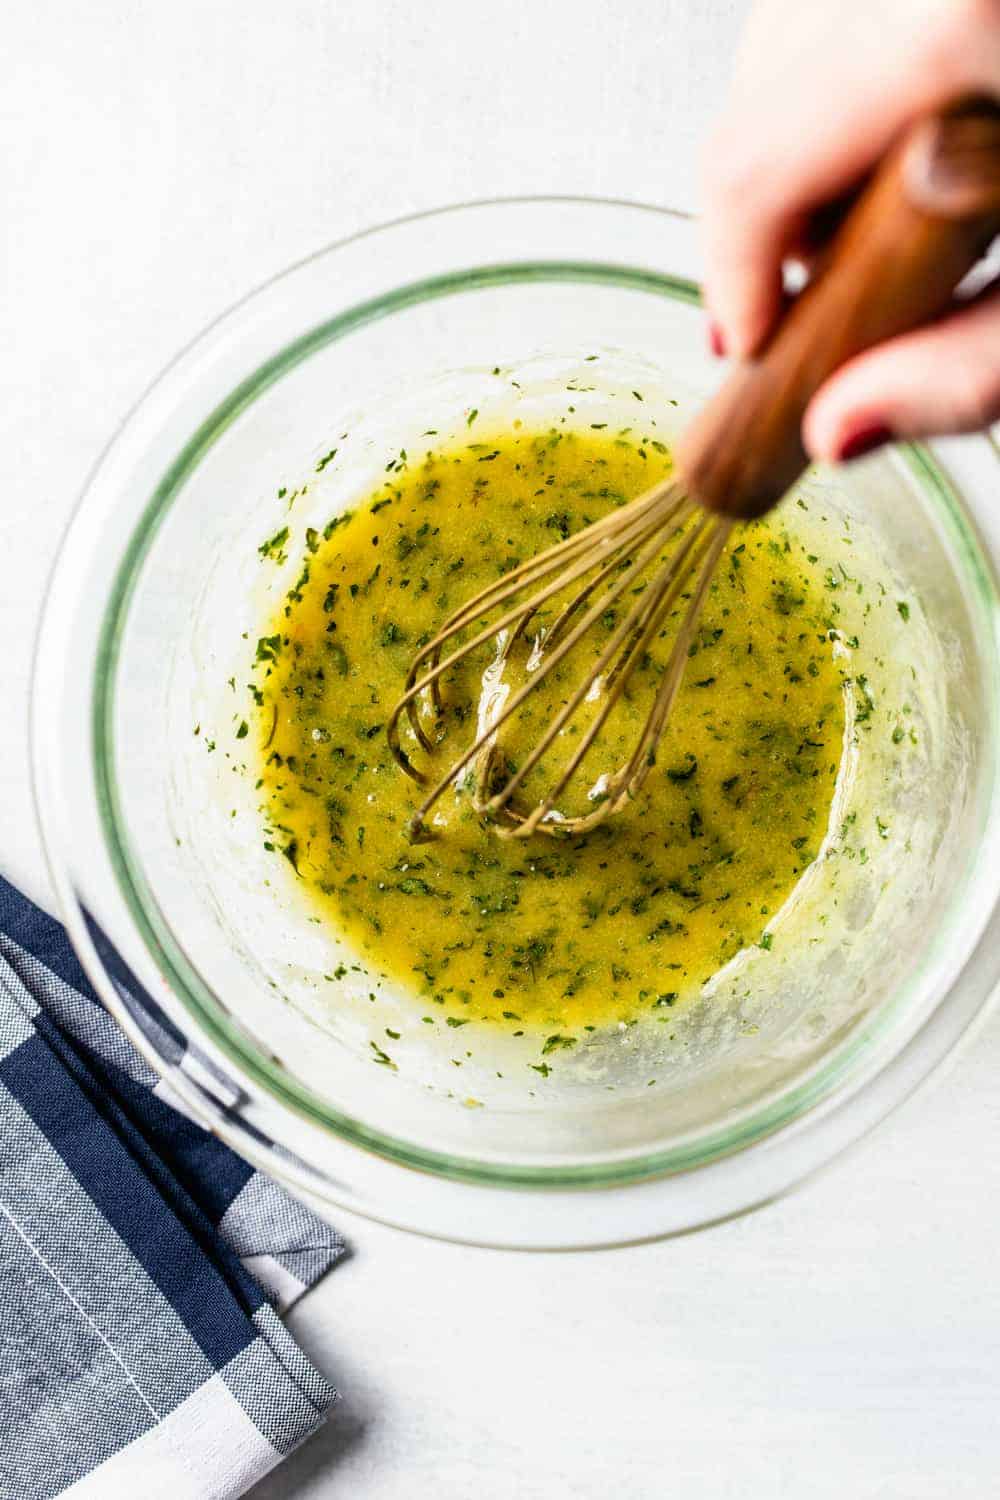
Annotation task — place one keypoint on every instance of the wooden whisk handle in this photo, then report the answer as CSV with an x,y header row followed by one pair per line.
x,y
926,216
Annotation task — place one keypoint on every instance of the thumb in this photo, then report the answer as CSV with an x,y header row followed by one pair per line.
x,y
944,378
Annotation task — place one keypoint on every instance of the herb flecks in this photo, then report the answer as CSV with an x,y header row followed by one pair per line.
x,y
556,941
275,547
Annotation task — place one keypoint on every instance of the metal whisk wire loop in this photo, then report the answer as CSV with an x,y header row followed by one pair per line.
x,y
605,560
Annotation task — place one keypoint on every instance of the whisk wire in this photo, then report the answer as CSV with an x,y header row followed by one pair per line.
x,y
643,756
549,663
641,523
626,542
627,780
677,518
662,497
636,631
623,527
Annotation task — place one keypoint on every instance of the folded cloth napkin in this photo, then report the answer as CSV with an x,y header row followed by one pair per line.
x,y
138,1354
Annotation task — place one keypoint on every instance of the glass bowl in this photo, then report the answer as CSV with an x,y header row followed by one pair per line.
x,y
890,948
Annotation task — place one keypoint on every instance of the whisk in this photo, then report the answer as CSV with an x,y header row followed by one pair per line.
x,y
926,216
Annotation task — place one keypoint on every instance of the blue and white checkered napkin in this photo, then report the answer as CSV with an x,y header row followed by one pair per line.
x,y
142,1264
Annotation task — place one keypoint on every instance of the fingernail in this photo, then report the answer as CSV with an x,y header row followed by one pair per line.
x,y
863,440
716,339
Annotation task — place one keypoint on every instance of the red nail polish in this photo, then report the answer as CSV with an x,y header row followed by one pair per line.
x,y
716,339
863,440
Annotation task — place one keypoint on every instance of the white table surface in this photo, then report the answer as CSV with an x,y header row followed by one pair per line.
x,y
158,161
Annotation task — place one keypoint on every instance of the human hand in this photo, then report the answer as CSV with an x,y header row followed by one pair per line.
x,y
819,93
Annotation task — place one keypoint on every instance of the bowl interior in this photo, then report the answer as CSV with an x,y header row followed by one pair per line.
x,y
875,929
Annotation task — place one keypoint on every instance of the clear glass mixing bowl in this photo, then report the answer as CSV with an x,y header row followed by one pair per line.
x,y
155,847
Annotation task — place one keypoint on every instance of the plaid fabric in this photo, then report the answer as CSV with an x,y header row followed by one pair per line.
x,y
143,1265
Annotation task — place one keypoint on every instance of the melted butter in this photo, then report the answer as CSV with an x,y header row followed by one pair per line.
x,y
562,934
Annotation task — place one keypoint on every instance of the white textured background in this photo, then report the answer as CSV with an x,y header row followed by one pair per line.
x,y
158,159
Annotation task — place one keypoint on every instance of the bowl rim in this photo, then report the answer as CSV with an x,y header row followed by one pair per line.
x,y
208,1012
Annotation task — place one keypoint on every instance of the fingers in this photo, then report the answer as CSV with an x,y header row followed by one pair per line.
x,y
763,187
759,207
821,90
943,378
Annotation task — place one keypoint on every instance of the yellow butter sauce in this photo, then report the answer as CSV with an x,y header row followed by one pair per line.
x,y
568,934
